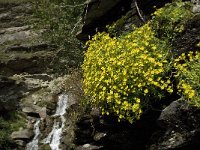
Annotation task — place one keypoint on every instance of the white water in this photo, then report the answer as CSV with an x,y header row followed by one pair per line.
x,y
53,139
33,145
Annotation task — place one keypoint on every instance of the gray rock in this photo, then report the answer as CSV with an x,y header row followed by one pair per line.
x,y
31,109
88,147
196,9
170,114
36,111
23,134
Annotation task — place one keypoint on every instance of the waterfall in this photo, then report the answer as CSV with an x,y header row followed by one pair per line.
x,y
53,139
33,145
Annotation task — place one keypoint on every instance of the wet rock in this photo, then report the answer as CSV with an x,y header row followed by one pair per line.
x,y
15,14
3,16
23,134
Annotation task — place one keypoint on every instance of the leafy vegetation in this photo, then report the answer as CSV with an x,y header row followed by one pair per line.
x,y
123,75
61,20
12,121
169,21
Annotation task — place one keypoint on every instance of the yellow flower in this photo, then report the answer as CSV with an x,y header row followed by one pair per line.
x,y
146,91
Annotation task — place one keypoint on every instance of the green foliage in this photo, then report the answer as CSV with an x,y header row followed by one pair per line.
x,y
12,121
169,20
61,21
122,75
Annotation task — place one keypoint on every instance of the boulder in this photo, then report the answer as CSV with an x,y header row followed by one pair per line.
x,y
170,114
23,134
180,125
35,111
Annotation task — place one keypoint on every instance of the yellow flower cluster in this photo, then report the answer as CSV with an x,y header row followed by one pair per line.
x,y
118,72
186,89
188,73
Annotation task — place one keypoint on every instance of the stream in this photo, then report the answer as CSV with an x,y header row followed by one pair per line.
x,y
33,145
54,137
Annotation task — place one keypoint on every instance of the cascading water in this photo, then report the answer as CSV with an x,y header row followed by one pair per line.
x,y
53,139
33,145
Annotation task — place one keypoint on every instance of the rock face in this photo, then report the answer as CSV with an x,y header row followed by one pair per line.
x,y
10,93
21,48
